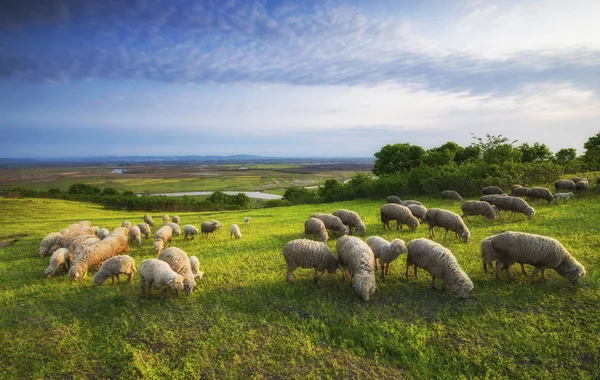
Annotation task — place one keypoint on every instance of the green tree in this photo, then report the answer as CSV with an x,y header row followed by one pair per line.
x,y
109,191
537,152
82,188
397,158
497,149
469,154
591,153
438,157
565,156
331,190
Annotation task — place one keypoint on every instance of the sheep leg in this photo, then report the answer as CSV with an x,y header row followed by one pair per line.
x,y
117,276
398,224
523,269
431,233
408,264
142,285
433,283
416,276
532,277
507,270
112,279
446,234
315,276
382,270
484,267
543,273
387,269
130,277
498,265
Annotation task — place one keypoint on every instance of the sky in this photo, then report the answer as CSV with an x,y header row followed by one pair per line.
x,y
293,78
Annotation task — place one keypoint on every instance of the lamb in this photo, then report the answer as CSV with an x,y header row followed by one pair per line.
x,y
357,259
451,194
176,229
114,244
492,190
411,202
148,219
113,267
190,230
159,273
305,253
59,258
48,242
195,265
418,211
314,226
439,262
332,222
448,220
135,235
540,251
102,233
564,196
162,238
519,191
246,219
180,263
175,219
582,185
126,224
234,230
165,219
477,208
401,214
209,227
352,220
564,184
145,229
514,204
534,193
393,199
385,251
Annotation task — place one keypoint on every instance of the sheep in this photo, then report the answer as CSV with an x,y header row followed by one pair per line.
x,y
514,204
246,219
190,230
180,263
195,265
145,229
401,214
113,267
102,233
411,202
332,222
77,248
48,242
519,191
305,253
162,238
488,256
439,262
576,179
135,235
534,193
159,273
492,190
73,234
314,226
582,185
59,258
127,224
175,219
234,230
451,194
393,199
540,251
564,196
209,227
490,198
72,228
165,219
112,245
176,229
418,211
448,220
356,258
477,208
148,219
352,220
564,184
385,251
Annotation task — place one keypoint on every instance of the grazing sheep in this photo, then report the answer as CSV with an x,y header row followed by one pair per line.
x,y
540,251
490,198
332,223
357,259
175,219
165,219
576,179
564,196
73,234
195,265
145,229
75,242
102,233
305,253
448,220
114,244
176,229
72,228
78,248
534,193
48,242
246,219
519,191
488,255
59,258
401,214
159,273
477,208
492,190
582,185
162,238
514,204
190,230
411,202
439,262
126,224
234,230
148,219
209,227
564,184
418,211
135,235
385,251
393,199
352,220
451,194
113,267
314,226
180,263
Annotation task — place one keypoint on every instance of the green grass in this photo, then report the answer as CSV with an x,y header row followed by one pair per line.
x,y
245,321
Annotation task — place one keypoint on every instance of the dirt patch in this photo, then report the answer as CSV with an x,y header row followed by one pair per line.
x,y
5,241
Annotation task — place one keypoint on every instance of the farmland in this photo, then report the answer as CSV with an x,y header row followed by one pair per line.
x,y
244,320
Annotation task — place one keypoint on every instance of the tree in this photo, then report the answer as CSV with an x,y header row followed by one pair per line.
x,y
331,190
109,191
397,158
469,154
537,152
82,188
438,157
565,155
497,149
591,154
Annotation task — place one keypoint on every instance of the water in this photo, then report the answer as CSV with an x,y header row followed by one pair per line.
x,y
251,194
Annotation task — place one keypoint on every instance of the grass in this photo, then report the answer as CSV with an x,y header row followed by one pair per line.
x,y
245,321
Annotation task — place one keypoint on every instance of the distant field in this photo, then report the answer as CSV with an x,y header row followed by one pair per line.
x,y
245,321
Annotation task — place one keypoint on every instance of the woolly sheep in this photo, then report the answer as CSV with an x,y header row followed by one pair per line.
x,y
175,219
411,202
165,219
126,224
514,204
175,227
135,235
534,193
488,255
75,233
195,265
159,273
477,208
48,242
448,220
564,184
190,230
59,258
246,219
78,248
145,229
209,227
114,244
401,214
519,191
72,228
352,220
332,223
305,253
564,196
162,238
102,233
439,262
180,263
113,267
393,199
385,251
490,198
314,226
451,194
418,211
357,259
582,185
234,230
576,179
75,242
492,190
148,219
540,251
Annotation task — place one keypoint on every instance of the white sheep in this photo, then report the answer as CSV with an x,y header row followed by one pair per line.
x,y
148,219
179,261
492,190
352,220
195,265
102,233
162,238
305,253
418,211
78,248
126,224
332,223
175,219
448,220
564,196
190,231
393,199
356,258
135,235
159,273
234,231
209,227
145,229
59,258
451,194
439,262
48,242
477,208
114,244
246,219
385,251
411,202
113,267
165,219
316,227
401,214
515,205
175,227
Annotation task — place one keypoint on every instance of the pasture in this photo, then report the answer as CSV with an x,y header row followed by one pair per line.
x,y
245,321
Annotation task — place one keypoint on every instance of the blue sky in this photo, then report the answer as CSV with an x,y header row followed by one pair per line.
x,y
293,78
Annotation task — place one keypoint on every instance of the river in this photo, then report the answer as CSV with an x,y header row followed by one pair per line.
x,y
251,194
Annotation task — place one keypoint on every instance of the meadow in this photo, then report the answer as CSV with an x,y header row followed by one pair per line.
x,y
245,321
